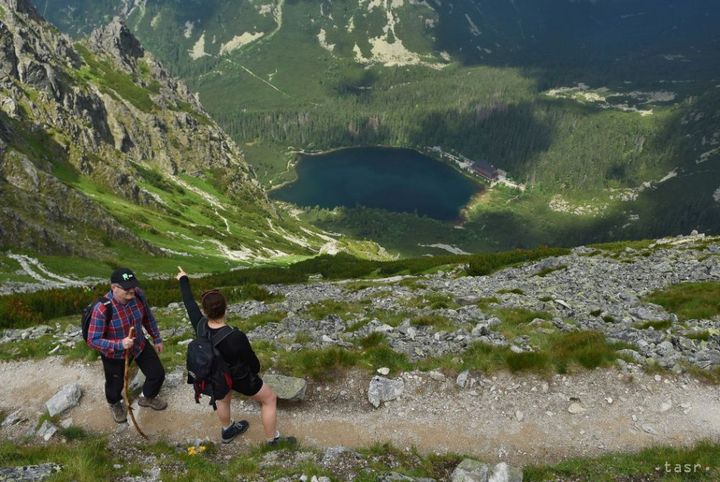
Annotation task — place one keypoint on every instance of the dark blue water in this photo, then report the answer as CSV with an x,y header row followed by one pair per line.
x,y
399,180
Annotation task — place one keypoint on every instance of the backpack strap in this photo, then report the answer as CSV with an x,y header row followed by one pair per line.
x,y
224,332
108,309
201,331
141,297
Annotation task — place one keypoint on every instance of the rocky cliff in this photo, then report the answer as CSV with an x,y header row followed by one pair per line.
x,y
87,126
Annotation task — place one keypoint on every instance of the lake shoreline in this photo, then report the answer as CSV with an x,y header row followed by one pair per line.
x,y
397,179
424,150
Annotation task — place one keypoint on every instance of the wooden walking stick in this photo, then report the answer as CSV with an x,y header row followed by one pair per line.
x,y
127,387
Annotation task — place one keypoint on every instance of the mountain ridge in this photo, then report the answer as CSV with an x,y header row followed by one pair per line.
x,y
101,146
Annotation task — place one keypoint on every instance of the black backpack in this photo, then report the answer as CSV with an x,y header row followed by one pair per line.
x,y
87,315
207,371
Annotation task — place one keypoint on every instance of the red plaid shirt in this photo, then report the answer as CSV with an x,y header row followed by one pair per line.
x,y
107,339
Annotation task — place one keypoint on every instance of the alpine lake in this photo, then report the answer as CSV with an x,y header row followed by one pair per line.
x,y
398,180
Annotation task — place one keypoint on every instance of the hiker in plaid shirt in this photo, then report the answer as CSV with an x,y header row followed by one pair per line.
x,y
111,340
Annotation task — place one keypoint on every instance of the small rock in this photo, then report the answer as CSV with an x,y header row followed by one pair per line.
x,y
332,454
576,408
470,470
137,383
437,376
383,371
503,472
519,416
396,477
46,430
13,418
67,397
649,429
462,378
384,328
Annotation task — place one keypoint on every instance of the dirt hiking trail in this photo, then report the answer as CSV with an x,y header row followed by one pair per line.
x,y
520,420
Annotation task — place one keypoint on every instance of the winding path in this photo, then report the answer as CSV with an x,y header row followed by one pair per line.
x,y
37,271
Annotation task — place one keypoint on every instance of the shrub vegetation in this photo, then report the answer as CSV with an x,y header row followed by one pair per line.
x,y
26,309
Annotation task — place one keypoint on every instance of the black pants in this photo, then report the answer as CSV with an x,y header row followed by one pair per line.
x,y
149,364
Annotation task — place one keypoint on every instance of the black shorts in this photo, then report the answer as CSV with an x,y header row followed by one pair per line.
x,y
248,385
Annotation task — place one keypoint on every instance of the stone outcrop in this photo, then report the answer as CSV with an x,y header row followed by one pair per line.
x,y
98,110
29,473
116,40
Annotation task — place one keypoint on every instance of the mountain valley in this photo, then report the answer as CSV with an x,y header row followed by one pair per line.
x,y
607,111
468,240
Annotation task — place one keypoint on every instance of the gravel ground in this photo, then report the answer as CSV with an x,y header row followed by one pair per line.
x,y
518,419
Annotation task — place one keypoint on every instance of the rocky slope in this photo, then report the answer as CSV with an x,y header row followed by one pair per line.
x,y
100,146
584,291
587,290
653,395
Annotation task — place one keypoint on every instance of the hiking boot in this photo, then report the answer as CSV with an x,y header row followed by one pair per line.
x,y
280,440
228,434
119,414
155,403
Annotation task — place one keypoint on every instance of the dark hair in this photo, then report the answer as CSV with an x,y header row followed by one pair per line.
x,y
214,304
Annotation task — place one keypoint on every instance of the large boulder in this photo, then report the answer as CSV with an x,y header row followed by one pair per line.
x,y
286,388
470,470
383,389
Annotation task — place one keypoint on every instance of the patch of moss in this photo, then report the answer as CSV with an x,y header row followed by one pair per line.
x,y
689,300
108,78
505,291
655,325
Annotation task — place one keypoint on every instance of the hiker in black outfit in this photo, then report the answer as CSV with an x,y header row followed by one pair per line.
x,y
241,360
